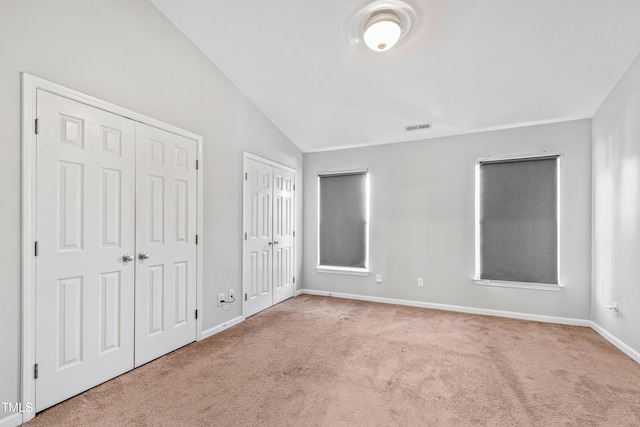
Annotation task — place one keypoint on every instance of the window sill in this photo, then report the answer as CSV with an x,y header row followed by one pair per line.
x,y
519,285
342,270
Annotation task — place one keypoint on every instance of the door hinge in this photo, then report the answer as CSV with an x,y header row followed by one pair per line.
x,y
37,126
294,234
197,164
246,176
196,239
245,236
294,187
36,248
245,297
294,279
196,314
35,371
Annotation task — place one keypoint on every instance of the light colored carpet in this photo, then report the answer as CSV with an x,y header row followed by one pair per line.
x,y
316,361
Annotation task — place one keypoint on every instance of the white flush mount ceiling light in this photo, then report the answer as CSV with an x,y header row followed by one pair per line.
x,y
381,24
382,31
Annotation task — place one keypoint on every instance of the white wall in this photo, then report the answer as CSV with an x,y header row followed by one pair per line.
x,y
126,52
422,219
616,210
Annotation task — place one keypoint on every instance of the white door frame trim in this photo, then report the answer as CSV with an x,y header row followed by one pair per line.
x,y
247,155
251,156
30,85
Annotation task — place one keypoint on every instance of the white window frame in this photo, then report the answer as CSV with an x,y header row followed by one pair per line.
x,y
555,287
330,269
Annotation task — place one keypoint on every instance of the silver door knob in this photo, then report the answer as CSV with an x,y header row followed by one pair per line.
x,y
275,242
127,257
143,255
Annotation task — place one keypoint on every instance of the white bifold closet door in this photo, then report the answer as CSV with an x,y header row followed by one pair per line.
x,y
268,250
102,306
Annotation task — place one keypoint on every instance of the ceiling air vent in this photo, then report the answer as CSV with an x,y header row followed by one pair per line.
x,y
417,127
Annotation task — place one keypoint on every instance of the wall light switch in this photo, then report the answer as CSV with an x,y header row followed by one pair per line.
x,y
420,281
379,279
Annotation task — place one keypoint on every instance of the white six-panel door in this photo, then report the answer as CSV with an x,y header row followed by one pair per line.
x,y
116,212
258,244
283,228
165,241
268,250
85,225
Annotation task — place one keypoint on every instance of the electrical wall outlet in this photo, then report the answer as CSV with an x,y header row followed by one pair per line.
x,y
614,309
231,295
420,281
220,299
379,279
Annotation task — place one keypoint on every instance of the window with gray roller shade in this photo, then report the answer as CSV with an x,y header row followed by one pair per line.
x,y
343,220
518,220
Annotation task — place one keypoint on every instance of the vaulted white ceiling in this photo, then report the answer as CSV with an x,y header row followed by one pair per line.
x,y
466,66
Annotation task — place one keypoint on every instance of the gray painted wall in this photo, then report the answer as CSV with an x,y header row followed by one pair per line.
x,y
616,209
422,219
126,52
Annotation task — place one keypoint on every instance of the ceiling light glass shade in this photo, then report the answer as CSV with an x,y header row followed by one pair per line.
x,y
382,31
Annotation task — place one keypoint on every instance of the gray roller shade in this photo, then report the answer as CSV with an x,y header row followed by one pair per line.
x,y
519,221
343,227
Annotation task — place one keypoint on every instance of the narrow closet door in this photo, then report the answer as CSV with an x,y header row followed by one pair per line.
x,y
165,241
85,189
258,239
283,223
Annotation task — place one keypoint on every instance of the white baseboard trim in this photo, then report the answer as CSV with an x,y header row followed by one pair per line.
x,y
12,420
622,346
216,329
299,292
457,308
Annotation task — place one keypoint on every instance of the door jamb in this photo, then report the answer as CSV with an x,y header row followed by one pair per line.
x,y
30,85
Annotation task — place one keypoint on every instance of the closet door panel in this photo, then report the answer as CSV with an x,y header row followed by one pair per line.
x,y
258,243
85,191
165,240
284,222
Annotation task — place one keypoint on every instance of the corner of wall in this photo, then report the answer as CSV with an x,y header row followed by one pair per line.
x,y
615,171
